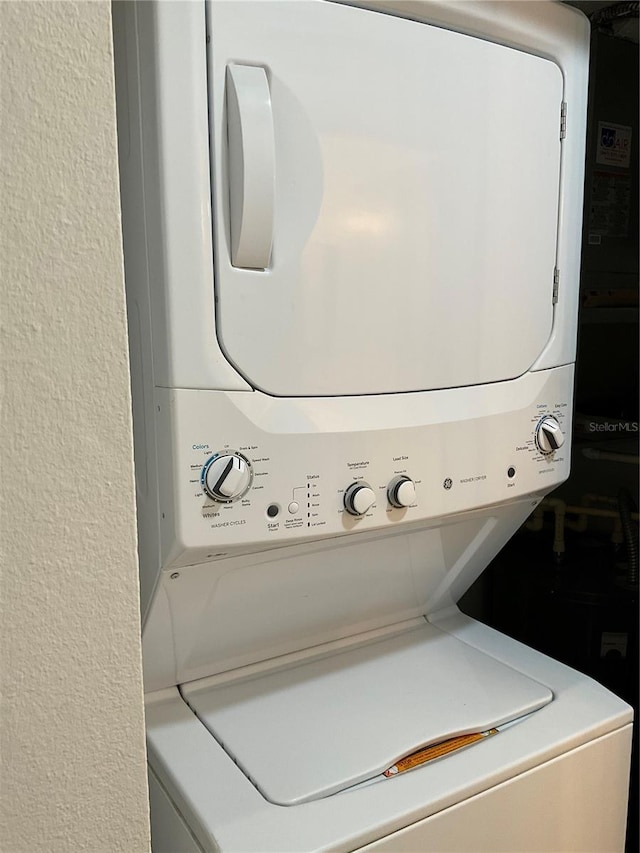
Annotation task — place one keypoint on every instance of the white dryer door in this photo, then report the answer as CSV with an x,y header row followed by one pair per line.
x,y
386,200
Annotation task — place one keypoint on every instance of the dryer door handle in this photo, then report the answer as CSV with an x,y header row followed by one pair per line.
x,y
251,166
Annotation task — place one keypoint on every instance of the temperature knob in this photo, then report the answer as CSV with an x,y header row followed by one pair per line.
x,y
358,498
226,477
401,492
549,436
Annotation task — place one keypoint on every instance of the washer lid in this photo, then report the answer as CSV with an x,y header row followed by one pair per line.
x,y
324,725
386,200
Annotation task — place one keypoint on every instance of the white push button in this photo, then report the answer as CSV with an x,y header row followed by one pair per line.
x,y
293,507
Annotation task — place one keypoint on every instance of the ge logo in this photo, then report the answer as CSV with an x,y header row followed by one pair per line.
x,y
448,483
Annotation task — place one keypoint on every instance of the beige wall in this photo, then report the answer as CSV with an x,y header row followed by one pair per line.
x,y
72,761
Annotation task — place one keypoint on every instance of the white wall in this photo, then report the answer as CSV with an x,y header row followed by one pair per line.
x,y
72,762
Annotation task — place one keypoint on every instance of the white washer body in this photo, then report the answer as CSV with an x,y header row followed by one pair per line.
x,y
555,781
352,238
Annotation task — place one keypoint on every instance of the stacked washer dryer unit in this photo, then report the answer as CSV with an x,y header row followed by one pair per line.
x,y
352,244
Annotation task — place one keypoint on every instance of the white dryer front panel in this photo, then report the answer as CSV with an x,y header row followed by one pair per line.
x,y
394,188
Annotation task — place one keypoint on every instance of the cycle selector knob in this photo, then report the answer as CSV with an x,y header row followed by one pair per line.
x,y
401,492
549,436
359,498
226,477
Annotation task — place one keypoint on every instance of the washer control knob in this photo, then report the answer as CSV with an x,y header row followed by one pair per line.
x,y
549,436
358,498
226,477
401,491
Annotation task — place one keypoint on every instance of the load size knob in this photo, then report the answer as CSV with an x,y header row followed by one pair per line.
x,y
359,498
226,477
401,492
549,436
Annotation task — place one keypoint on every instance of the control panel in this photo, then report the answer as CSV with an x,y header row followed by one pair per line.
x,y
242,484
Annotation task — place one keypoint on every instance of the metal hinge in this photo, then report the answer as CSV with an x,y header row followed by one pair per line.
x,y
556,284
563,120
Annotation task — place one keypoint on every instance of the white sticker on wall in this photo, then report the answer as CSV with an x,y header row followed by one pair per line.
x,y
614,145
613,644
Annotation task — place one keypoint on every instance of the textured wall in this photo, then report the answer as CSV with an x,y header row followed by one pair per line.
x,y
72,762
